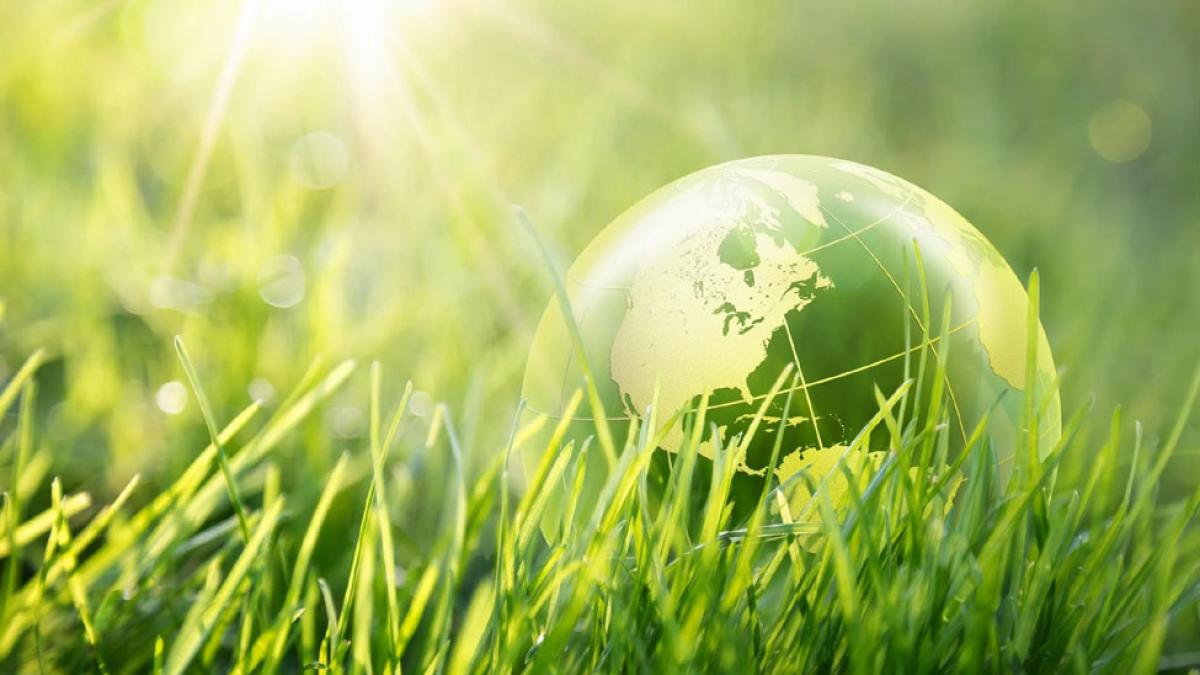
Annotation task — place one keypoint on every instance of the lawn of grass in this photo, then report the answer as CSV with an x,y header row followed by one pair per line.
x,y
887,568
322,210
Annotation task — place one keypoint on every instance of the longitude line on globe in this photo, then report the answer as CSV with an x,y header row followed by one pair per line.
x,y
904,296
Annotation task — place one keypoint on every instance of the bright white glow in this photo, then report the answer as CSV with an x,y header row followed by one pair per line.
x,y
349,24
361,39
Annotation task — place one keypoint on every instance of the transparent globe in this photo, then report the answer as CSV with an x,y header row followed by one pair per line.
x,y
719,281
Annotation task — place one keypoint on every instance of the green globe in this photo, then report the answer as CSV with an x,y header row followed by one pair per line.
x,y
719,281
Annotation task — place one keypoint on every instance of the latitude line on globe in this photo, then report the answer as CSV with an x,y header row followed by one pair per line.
x,y
859,369
804,386
865,228
904,296
814,383
854,233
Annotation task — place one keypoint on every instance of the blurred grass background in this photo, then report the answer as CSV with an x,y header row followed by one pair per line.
x,y
274,180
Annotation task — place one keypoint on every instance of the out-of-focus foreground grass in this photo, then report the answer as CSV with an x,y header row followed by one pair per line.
x,y
275,180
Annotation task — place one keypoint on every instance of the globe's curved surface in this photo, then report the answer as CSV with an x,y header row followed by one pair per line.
x,y
718,281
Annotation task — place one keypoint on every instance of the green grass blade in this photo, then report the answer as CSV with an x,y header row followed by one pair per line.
x,y
211,422
193,633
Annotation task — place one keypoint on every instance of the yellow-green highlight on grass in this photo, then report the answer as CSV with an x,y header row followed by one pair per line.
x,y
912,570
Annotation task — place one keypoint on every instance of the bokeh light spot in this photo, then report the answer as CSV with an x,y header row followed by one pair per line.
x,y
420,404
171,293
172,397
1119,131
281,281
261,390
347,422
319,160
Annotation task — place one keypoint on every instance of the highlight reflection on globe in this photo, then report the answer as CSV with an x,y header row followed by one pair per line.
x,y
720,280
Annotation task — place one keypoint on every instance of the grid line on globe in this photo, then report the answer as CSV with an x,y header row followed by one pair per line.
x,y
712,285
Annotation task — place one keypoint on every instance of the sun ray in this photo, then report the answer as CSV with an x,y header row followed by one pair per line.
x,y
215,117
381,89
534,32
